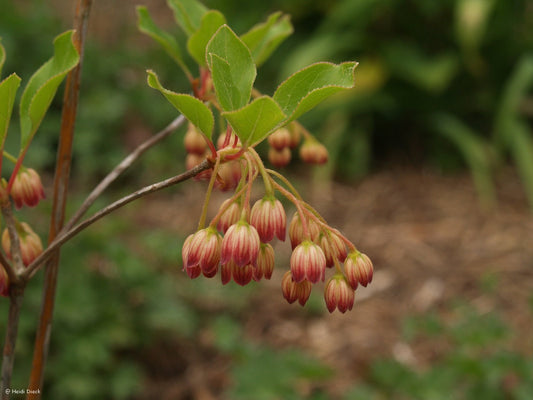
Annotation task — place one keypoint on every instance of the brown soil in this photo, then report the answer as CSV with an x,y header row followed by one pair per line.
x,y
430,243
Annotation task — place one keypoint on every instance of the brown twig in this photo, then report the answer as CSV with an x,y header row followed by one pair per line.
x,y
62,238
62,173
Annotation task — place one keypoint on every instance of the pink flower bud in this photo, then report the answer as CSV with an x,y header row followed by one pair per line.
x,y
293,291
265,263
358,269
27,188
338,294
4,282
313,152
202,249
294,130
230,216
194,141
308,262
30,243
268,217
241,275
279,158
240,244
229,175
333,247
280,139
296,230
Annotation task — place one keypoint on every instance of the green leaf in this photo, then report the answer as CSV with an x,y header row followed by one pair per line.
x,y
192,108
43,85
264,38
188,14
256,121
197,42
2,58
8,90
308,87
232,69
165,39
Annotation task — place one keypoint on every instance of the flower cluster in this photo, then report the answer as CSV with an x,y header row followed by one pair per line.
x,y
237,240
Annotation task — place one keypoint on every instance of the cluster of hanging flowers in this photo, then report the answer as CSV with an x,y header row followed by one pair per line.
x,y
236,244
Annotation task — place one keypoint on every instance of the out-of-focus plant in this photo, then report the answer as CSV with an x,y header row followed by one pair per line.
x,y
236,241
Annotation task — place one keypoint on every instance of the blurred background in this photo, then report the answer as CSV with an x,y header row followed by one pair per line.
x,y
430,174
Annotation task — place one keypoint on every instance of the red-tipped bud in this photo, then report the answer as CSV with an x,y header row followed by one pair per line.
x,y
265,262
4,282
27,188
202,249
194,141
294,130
280,139
293,291
240,244
279,158
338,294
30,243
333,247
232,141
308,262
358,269
268,217
313,152
229,175
230,216
241,275
296,230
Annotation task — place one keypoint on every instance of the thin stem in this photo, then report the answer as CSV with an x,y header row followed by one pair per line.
x,y
286,182
121,167
63,237
203,216
223,209
298,204
16,295
266,178
10,157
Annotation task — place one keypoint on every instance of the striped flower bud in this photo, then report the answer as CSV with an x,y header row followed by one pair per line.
x,y
308,262
333,247
265,262
241,275
279,158
338,294
240,244
268,217
293,291
296,230
358,269
230,216
313,152
4,282
27,189
280,139
30,243
202,249
194,141
229,175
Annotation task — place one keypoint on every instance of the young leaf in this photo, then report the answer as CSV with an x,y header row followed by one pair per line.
x,y
256,121
264,38
192,108
311,85
43,85
188,14
166,40
2,58
8,90
197,42
232,69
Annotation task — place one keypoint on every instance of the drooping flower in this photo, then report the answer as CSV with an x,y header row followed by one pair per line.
x,y
241,275
240,244
338,294
30,243
27,188
230,216
313,152
279,158
358,269
293,291
194,141
280,139
265,262
202,249
296,230
268,217
308,262
333,247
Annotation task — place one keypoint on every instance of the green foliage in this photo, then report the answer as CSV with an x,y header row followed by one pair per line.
x,y
197,43
479,362
8,91
42,86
